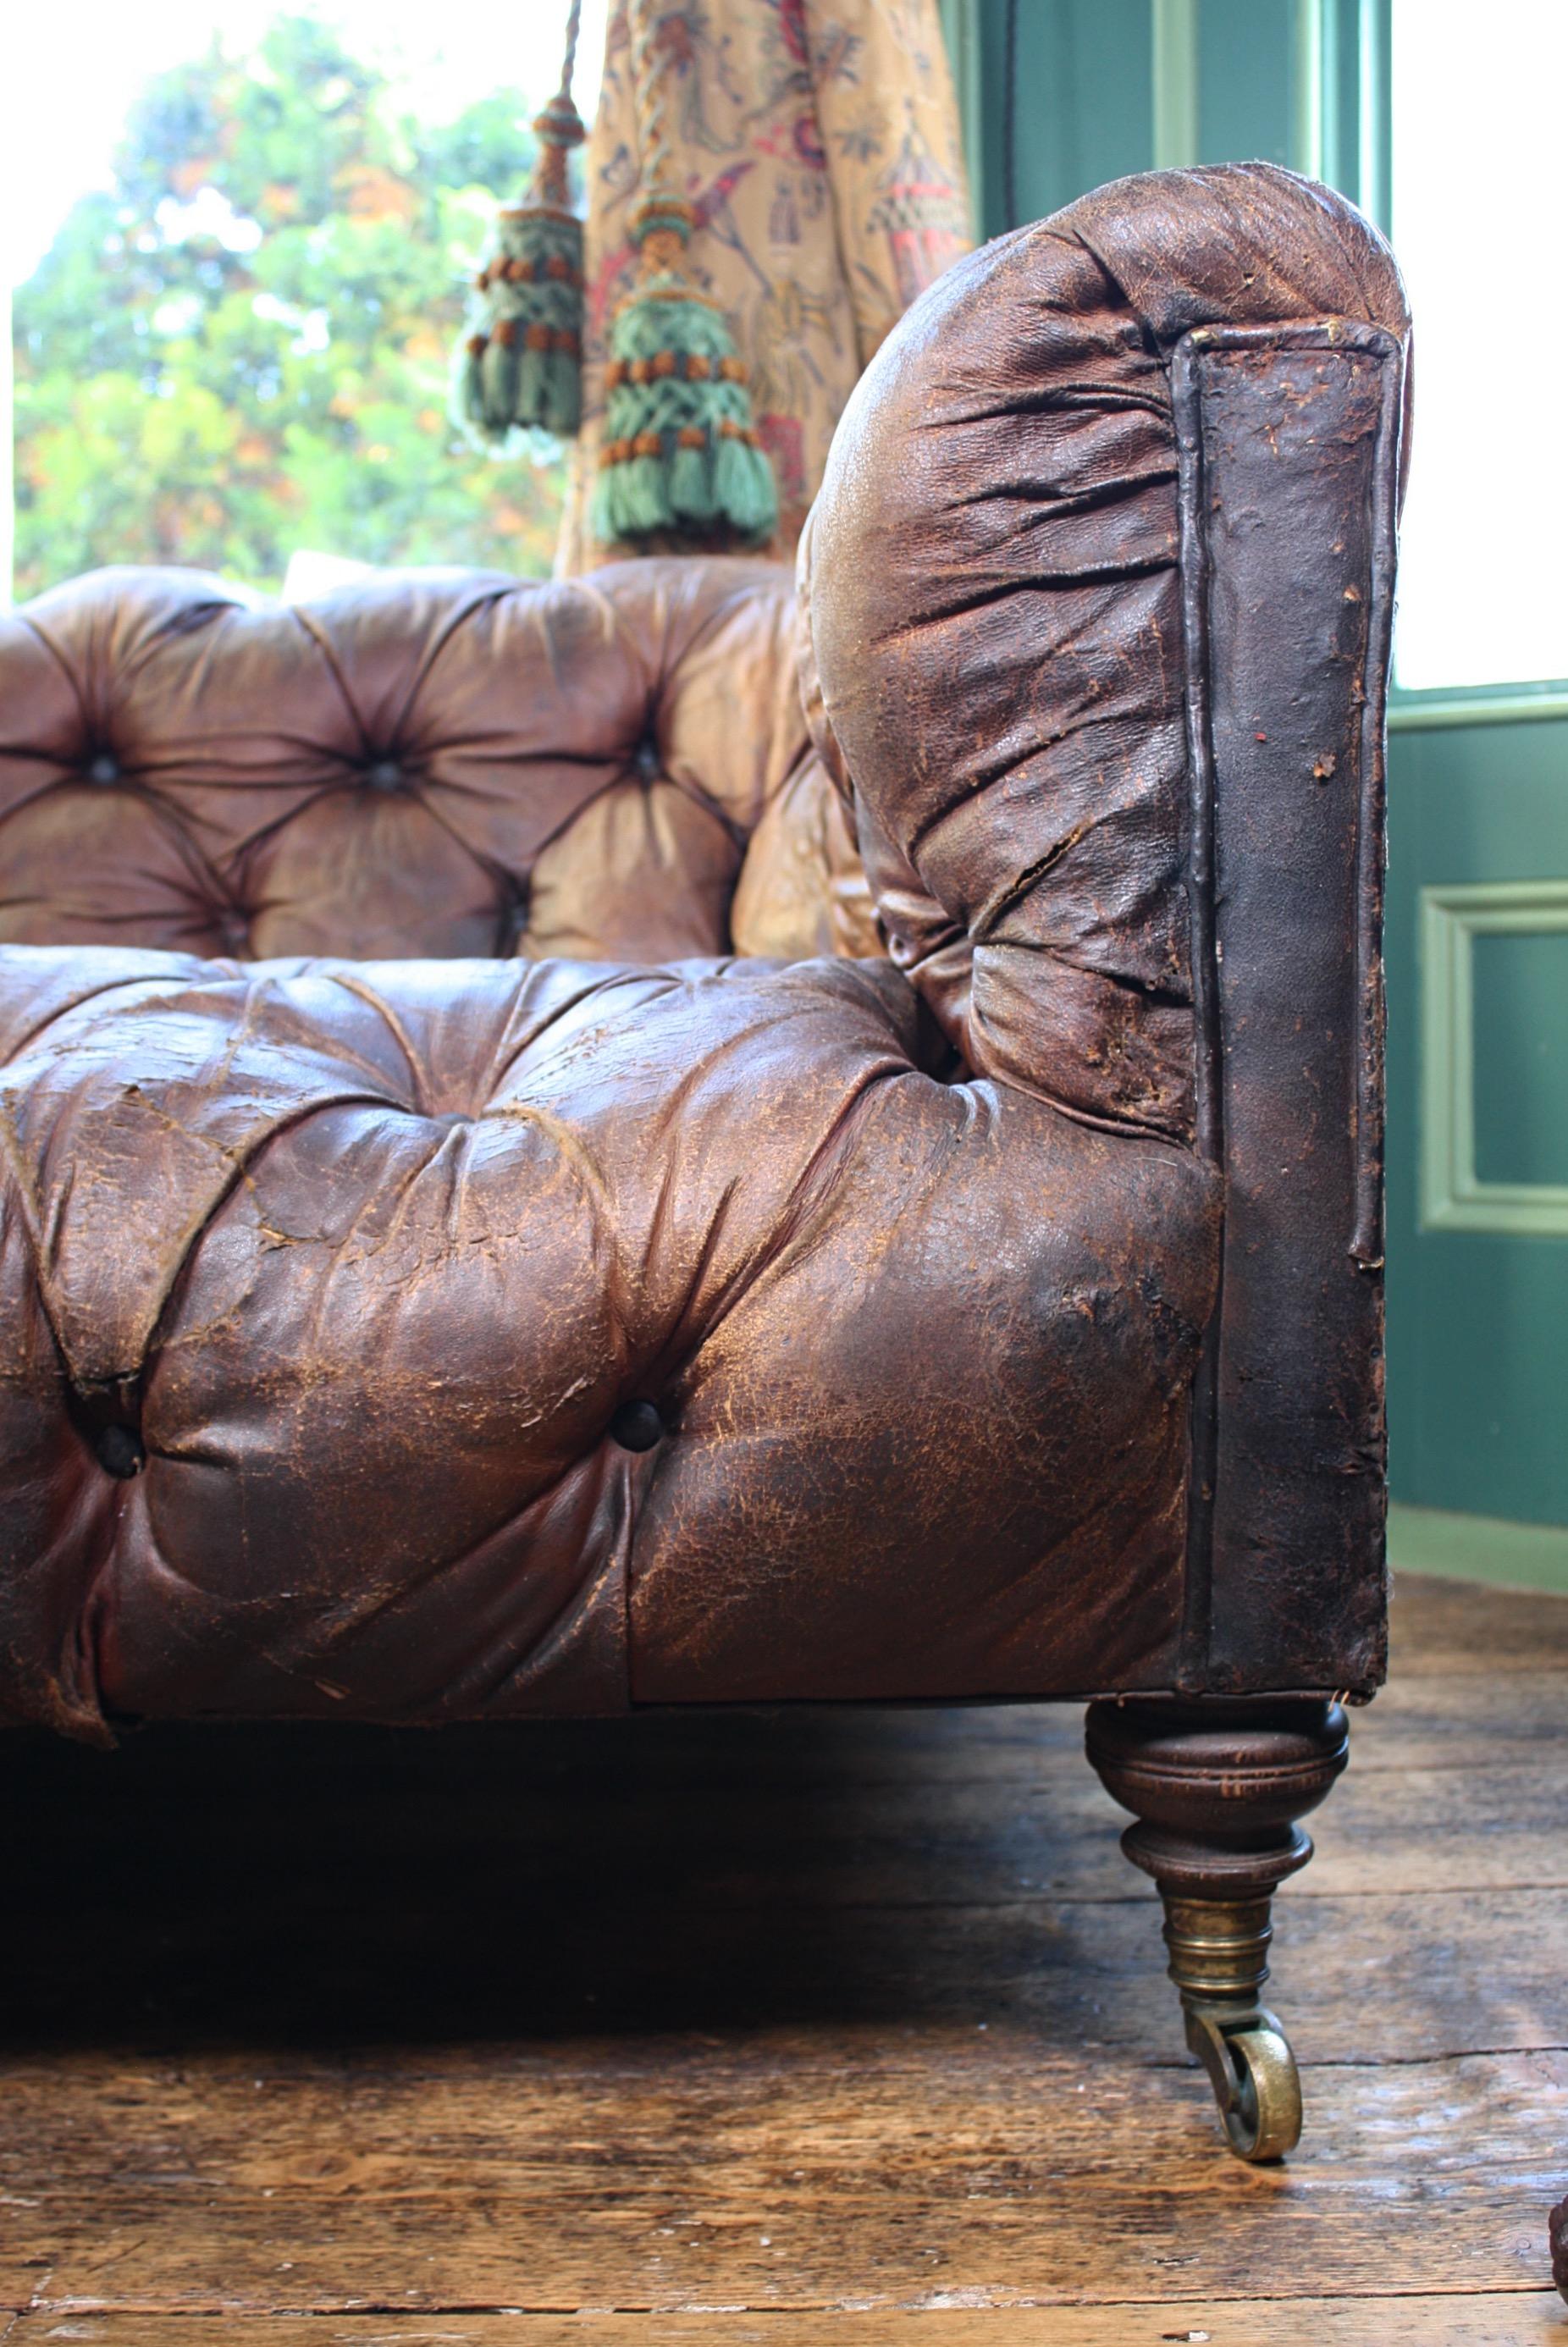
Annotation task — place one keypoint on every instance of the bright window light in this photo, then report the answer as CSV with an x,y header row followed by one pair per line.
x,y
237,236
1479,226
70,75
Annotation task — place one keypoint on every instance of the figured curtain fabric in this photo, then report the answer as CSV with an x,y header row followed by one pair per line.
x,y
819,141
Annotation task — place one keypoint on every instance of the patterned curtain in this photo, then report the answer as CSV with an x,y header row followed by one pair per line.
x,y
819,142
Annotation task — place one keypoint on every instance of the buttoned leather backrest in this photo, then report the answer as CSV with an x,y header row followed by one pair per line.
x,y
424,763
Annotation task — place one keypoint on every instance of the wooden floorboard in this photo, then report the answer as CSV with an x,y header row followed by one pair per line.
x,y
789,2027
1481,2319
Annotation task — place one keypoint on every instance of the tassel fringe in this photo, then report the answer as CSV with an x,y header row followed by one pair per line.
x,y
681,454
517,369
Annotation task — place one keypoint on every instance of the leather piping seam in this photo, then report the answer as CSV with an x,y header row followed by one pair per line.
x,y
1367,1237
1208,1129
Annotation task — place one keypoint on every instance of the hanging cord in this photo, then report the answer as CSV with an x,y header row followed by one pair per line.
x,y
648,97
558,127
568,64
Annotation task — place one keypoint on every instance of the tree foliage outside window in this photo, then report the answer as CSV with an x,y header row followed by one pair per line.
x,y
240,350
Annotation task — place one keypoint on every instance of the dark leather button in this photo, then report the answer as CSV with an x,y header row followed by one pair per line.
x,y
104,768
121,1452
513,920
387,775
636,1426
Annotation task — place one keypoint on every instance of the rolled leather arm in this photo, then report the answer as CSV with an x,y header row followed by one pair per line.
x,y
994,599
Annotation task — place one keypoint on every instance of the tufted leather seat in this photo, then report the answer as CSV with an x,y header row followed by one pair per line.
x,y
503,1210
371,1262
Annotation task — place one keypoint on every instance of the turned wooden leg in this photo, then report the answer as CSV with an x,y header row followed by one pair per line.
x,y
1216,1788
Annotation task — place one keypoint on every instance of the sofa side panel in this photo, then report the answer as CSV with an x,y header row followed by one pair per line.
x,y
1290,462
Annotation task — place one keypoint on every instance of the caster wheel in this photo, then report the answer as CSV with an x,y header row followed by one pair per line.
x,y
1256,2083
1264,2120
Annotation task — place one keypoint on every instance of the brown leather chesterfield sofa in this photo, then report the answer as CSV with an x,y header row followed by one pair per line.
x,y
504,1210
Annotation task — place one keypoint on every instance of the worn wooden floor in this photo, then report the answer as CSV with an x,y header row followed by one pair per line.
x,y
725,2029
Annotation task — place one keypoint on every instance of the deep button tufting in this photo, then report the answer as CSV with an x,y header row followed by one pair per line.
x,y
636,1426
389,1374
234,929
503,725
512,919
121,1452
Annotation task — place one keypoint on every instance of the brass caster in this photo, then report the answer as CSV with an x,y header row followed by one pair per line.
x,y
1216,1788
1254,2078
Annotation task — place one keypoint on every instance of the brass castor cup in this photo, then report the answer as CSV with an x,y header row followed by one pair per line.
x,y
1216,1788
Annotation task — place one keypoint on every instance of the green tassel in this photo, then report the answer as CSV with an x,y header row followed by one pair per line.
x,y
518,368
531,371
562,394
498,371
609,506
681,454
468,377
744,487
691,499
648,506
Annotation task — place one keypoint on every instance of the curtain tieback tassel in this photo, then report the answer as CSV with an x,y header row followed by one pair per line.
x,y
518,367
681,454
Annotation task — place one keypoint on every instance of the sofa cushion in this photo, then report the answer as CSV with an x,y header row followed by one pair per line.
x,y
418,1340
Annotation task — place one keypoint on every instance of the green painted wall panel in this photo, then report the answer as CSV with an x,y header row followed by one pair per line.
x,y
1245,92
1521,1091
1478,1321
1084,100
1242,79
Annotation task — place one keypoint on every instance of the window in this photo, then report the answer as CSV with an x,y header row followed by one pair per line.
x,y
1478,224
237,236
